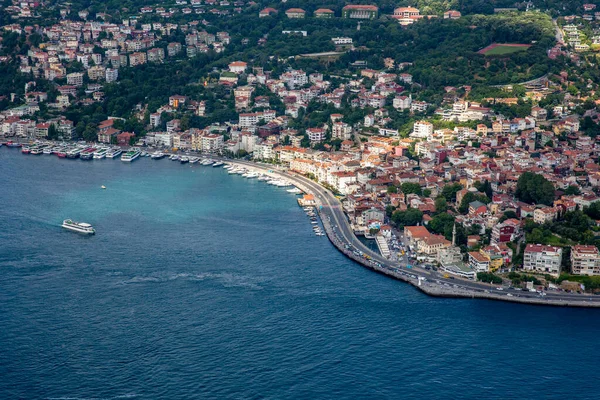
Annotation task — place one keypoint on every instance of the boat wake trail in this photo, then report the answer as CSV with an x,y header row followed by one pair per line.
x,y
226,279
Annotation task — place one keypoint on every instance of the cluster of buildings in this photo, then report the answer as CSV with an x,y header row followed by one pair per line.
x,y
101,48
197,7
404,15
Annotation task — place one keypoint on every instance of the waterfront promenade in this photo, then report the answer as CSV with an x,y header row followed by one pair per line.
x,y
432,283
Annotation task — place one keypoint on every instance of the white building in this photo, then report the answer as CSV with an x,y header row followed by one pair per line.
x,y
542,259
338,41
212,142
294,78
163,139
264,151
585,260
248,142
341,130
418,106
238,67
155,119
422,130
401,102
316,135
250,120
111,75
75,79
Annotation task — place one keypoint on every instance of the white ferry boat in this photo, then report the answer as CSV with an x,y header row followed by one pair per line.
x,y
100,153
113,153
74,153
130,156
37,150
80,227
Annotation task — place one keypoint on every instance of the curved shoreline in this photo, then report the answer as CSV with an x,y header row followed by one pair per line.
x,y
412,277
341,236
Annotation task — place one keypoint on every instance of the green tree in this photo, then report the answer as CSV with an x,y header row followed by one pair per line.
x,y
489,278
409,217
442,224
572,190
449,192
534,189
52,132
90,133
593,211
409,187
508,215
441,205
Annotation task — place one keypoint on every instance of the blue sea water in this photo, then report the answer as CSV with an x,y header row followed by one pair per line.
x,y
204,285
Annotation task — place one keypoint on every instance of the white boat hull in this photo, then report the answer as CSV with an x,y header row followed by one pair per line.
x,y
78,229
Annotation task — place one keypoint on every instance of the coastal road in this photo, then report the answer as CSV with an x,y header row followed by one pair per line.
x,y
331,209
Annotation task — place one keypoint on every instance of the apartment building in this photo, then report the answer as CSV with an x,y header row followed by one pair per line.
x,y
542,259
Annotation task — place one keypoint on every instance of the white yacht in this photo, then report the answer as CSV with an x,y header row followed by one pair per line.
x,y
194,160
157,155
294,190
131,155
80,227
218,164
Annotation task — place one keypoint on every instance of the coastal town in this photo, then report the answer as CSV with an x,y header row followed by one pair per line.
x,y
499,185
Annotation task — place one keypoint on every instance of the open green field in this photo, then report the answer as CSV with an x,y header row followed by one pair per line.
x,y
496,49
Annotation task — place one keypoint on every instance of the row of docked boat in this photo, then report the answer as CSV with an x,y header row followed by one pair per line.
x,y
250,174
312,215
64,150
87,152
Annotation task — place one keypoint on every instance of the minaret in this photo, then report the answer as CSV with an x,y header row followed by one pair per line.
x,y
454,235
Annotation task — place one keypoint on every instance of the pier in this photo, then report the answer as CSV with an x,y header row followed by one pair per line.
x,y
382,246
